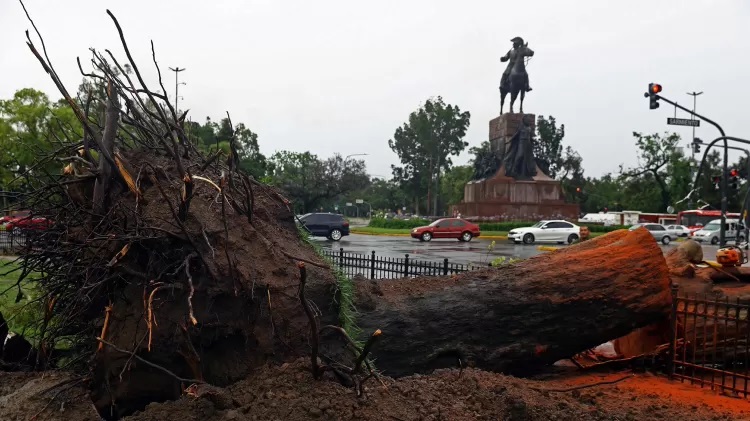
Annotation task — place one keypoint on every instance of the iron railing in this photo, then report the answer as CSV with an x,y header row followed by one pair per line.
x,y
11,241
371,266
710,343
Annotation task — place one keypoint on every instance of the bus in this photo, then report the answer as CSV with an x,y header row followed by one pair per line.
x,y
695,219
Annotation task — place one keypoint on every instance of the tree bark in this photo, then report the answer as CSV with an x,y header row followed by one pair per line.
x,y
514,318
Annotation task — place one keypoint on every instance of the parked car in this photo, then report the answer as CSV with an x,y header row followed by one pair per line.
x,y
558,231
658,231
710,232
679,230
330,225
24,221
457,228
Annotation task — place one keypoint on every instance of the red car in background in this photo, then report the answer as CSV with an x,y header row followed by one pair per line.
x,y
23,221
457,228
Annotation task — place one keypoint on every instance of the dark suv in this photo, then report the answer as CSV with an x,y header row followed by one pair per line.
x,y
329,225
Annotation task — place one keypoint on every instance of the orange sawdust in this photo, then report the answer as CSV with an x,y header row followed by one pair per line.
x,y
648,389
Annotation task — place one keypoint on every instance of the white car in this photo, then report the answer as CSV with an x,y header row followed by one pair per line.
x,y
557,231
678,230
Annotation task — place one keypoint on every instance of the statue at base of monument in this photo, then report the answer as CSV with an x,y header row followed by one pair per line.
x,y
486,163
519,159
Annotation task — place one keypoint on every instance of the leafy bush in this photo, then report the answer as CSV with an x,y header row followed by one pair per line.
x,y
398,223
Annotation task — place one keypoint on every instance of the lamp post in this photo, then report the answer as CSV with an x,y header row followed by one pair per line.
x,y
177,84
692,163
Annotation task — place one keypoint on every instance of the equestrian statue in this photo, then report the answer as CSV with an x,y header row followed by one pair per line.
x,y
515,79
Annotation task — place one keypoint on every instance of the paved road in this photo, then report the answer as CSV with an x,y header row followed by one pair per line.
x,y
473,252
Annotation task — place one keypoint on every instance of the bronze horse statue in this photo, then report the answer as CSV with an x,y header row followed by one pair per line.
x,y
515,79
516,82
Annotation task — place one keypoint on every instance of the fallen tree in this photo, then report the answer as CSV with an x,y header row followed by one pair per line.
x,y
519,317
167,266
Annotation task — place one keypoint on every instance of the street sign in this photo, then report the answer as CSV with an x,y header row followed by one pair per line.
x,y
360,201
348,203
683,122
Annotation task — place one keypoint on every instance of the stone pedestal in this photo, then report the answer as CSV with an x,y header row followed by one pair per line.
x,y
507,198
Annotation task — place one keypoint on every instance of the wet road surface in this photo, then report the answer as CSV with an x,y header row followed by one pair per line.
x,y
475,252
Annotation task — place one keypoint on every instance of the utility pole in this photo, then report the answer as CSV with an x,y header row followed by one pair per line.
x,y
176,71
692,163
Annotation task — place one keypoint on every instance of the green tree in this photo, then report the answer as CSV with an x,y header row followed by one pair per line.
x,y
211,137
29,124
425,144
452,184
548,147
384,195
662,166
313,183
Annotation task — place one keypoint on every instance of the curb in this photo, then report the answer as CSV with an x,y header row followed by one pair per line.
x,y
481,237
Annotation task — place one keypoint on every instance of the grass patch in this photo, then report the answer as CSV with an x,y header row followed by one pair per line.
x,y
21,311
344,291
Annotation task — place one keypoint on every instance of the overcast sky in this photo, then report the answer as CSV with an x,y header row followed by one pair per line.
x,y
340,76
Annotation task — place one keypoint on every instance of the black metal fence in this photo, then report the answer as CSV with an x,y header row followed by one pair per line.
x,y
710,343
11,242
376,267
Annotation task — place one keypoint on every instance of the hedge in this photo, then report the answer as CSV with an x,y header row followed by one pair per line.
x,y
398,223
484,226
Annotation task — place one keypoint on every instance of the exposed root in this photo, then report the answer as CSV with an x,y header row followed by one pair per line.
x,y
191,288
107,313
305,261
314,337
149,363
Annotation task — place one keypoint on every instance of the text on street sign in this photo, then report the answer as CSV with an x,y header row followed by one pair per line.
x,y
683,122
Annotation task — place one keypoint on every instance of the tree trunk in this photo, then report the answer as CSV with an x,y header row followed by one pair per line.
x,y
514,318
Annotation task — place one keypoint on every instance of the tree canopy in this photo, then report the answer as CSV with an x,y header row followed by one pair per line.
x,y
425,144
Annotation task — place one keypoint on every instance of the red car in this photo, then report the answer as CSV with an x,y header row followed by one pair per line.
x,y
457,228
23,220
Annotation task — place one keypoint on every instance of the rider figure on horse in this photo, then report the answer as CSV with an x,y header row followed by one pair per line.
x,y
519,52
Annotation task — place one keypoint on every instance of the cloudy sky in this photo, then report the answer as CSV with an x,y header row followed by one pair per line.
x,y
340,76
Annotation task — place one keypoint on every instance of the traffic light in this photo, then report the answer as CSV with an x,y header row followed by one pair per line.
x,y
717,182
734,182
697,145
578,190
652,95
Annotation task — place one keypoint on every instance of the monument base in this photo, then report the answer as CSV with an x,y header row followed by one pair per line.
x,y
506,198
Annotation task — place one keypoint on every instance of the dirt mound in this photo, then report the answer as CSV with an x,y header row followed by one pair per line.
x,y
48,397
288,392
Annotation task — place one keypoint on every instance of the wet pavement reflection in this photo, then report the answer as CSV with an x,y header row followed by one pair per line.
x,y
475,252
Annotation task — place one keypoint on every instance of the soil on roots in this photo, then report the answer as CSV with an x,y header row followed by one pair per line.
x,y
288,392
237,276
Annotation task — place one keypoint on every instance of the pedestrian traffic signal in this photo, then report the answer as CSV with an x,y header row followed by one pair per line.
x,y
717,181
734,182
653,95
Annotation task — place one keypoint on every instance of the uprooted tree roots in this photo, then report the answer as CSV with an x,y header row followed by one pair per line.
x,y
166,266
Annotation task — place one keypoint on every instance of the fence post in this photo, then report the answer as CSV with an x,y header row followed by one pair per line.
x,y
673,334
341,259
406,266
372,265
445,266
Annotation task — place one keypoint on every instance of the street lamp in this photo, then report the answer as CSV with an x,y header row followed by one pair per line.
x,y
177,84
